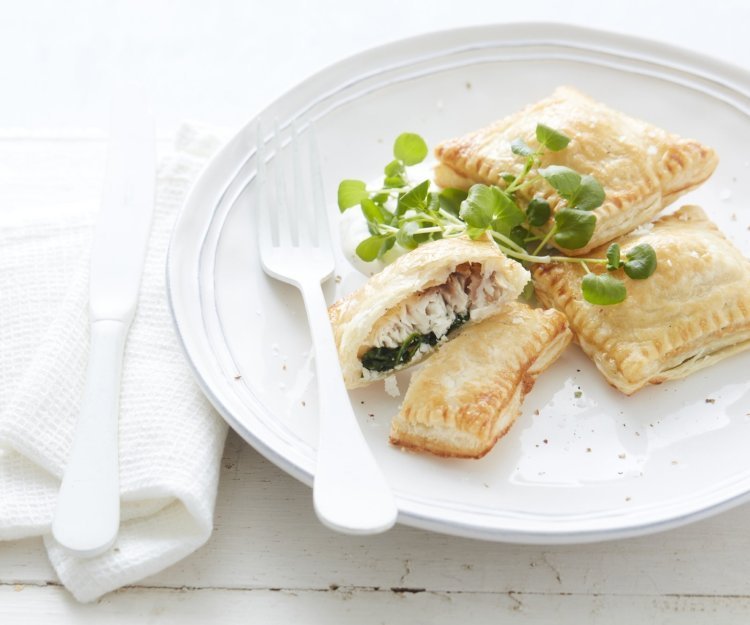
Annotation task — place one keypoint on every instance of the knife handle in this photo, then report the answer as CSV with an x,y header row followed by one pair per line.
x,y
88,506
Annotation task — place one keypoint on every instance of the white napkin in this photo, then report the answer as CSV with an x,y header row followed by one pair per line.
x,y
171,440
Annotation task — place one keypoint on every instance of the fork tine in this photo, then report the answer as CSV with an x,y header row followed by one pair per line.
x,y
303,220
320,215
281,209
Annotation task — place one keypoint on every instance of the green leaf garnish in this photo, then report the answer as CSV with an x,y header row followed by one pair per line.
x,y
528,291
478,209
551,139
640,262
506,213
538,212
351,193
613,257
589,194
518,235
413,199
603,289
563,179
521,148
450,200
394,182
574,228
375,213
394,168
410,214
410,148
369,249
475,233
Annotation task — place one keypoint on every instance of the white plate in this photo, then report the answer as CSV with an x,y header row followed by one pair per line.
x,y
595,467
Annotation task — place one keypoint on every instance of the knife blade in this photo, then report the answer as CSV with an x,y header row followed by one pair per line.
x,y
87,516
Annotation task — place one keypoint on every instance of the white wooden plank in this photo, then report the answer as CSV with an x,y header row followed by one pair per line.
x,y
27,605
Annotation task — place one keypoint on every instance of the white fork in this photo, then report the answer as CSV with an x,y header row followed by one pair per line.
x,y
350,493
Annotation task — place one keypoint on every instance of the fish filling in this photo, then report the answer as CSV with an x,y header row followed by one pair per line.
x,y
417,325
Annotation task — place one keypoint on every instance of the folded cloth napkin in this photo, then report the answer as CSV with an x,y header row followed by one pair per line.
x,y
171,440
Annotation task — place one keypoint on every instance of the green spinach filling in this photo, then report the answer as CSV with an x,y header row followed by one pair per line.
x,y
386,358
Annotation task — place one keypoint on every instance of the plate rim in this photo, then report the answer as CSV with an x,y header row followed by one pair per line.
x,y
719,71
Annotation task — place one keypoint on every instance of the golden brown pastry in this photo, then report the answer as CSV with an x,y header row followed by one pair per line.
x,y
641,167
470,392
401,314
692,312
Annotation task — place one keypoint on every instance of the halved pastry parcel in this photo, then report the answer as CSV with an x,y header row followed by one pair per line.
x,y
469,394
641,167
401,314
692,312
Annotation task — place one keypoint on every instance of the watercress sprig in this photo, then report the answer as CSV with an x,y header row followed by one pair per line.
x,y
410,214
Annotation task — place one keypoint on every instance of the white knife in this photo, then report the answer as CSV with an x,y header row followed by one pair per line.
x,y
87,518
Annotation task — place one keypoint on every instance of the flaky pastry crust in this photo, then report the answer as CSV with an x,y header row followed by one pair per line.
x,y
470,392
692,312
641,167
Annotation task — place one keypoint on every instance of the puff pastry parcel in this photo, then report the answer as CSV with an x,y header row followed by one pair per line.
x,y
462,410
641,167
400,314
692,312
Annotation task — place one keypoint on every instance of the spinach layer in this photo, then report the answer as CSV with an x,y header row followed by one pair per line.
x,y
386,358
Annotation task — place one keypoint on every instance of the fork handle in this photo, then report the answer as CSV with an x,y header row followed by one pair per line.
x,y
350,493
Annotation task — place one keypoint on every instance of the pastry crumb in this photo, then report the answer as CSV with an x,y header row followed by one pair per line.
x,y
391,386
643,229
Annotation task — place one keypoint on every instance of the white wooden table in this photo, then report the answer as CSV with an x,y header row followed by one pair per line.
x,y
269,560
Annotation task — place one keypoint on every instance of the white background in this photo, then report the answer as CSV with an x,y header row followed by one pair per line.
x,y
269,560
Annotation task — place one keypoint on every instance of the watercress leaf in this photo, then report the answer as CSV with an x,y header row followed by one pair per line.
x,y
450,200
613,257
394,168
475,233
551,139
372,212
589,195
410,148
508,178
380,198
563,179
369,249
521,148
528,291
394,182
603,289
432,203
506,210
518,235
405,235
538,212
413,199
478,209
389,242
574,227
640,261
351,193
